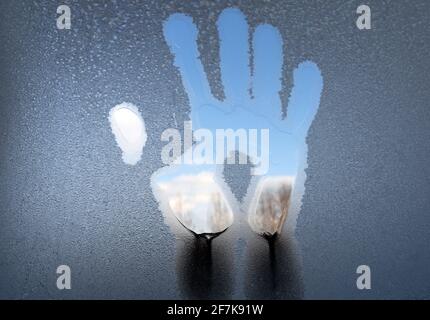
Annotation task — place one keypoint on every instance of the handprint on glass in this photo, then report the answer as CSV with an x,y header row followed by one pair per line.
x,y
252,101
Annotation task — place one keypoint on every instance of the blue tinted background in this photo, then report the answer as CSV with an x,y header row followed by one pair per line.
x,y
67,198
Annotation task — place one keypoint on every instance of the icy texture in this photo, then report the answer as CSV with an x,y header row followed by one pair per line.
x,y
66,197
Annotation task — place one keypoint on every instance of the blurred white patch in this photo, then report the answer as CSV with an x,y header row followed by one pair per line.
x,y
271,204
129,130
196,200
